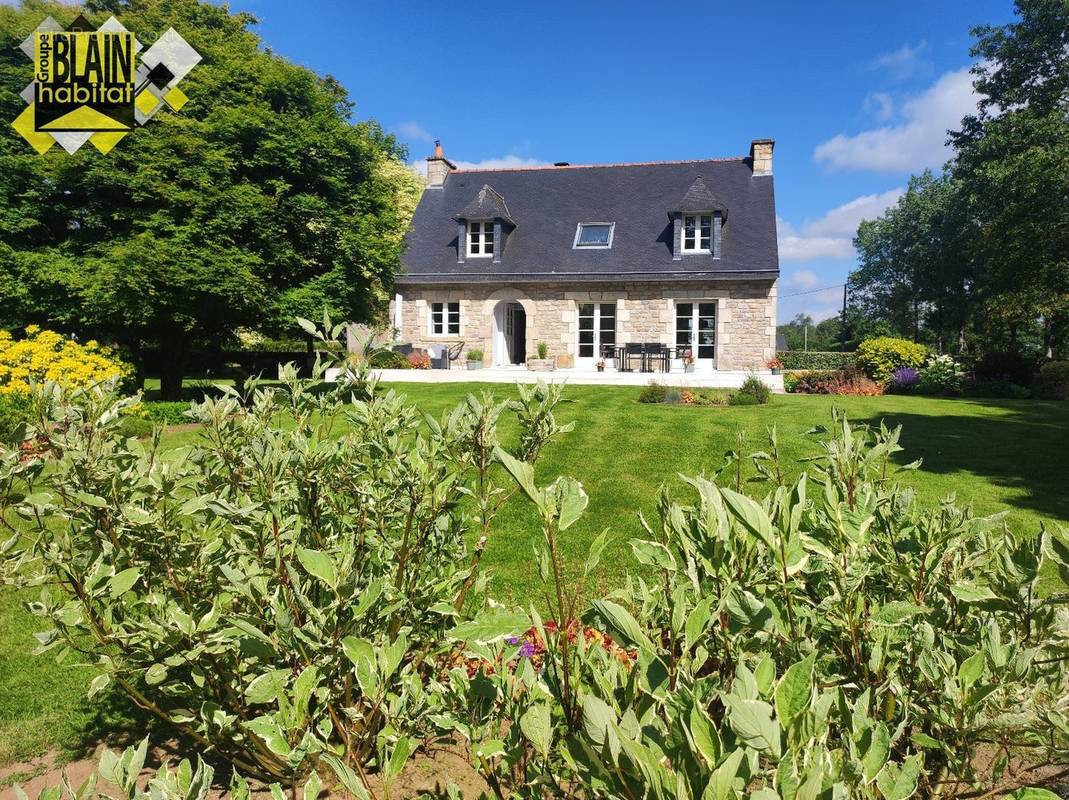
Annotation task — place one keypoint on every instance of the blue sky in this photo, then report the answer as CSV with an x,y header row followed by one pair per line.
x,y
857,95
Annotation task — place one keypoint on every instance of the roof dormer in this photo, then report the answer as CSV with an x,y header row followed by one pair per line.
x,y
697,221
482,226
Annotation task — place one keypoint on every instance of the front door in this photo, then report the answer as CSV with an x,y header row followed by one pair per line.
x,y
696,331
597,331
516,333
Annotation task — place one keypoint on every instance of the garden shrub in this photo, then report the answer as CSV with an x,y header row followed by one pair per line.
x,y
136,426
1052,382
1000,389
710,397
653,392
880,357
673,397
815,359
834,639
49,356
167,412
390,359
276,595
742,399
1005,366
840,382
904,380
419,359
14,411
940,376
756,388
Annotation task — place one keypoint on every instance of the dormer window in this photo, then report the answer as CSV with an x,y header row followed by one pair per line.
x,y
480,239
697,233
594,235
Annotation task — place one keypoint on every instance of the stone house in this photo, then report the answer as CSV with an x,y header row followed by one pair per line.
x,y
588,258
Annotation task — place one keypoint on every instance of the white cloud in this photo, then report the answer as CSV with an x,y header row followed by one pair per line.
x,y
503,162
831,235
414,132
793,247
880,105
904,61
917,142
802,279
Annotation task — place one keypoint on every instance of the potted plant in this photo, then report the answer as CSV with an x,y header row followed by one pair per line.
x,y
688,360
543,363
775,365
601,365
475,358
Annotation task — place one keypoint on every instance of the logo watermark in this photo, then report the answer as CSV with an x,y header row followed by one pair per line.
x,y
89,87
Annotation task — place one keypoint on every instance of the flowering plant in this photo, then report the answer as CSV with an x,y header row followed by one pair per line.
x,y
419,359
601,364
44,355
687,357
904,379
774,363
940,376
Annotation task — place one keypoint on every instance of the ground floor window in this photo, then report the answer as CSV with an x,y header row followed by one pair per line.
x,y
696,329
445,319
597,329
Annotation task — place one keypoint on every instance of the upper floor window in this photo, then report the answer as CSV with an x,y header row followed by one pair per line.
x,y
445,319
697,233
594,234
480,239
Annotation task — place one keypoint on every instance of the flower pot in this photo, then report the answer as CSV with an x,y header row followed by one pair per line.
x,y
475,365
601,367
688,368
541,364
776,371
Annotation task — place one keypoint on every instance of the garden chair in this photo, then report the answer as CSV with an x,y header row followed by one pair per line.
x,y
630,350
453,354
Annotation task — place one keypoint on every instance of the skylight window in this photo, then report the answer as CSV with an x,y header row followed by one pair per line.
x,y
594,235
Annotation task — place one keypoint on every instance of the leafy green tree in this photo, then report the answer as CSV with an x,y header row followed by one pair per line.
x,y
260,201
913,273
1013,163
803,333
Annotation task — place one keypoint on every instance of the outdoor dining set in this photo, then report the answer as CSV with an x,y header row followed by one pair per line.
x,y
646,356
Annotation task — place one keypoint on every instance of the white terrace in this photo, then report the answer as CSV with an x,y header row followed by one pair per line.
x,y
705,379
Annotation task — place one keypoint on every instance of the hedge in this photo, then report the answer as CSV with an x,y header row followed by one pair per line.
x,y
815,359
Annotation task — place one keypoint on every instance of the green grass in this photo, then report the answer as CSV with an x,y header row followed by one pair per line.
x,y
995,455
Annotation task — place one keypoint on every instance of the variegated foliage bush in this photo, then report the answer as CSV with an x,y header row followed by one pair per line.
x,y
277,590
835,639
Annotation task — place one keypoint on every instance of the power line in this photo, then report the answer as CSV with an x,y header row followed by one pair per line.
x,y
812,291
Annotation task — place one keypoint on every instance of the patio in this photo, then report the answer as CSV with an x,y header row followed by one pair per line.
x,y
706,379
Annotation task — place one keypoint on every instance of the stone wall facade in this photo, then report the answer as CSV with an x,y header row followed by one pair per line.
x,y
645,312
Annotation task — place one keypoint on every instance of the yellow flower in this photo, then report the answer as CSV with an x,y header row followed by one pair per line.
x,y
49,356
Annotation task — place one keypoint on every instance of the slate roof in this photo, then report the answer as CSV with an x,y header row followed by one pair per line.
x,y
699,198
487,204
547,203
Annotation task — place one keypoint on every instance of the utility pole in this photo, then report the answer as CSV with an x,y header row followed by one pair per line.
x,y
805,337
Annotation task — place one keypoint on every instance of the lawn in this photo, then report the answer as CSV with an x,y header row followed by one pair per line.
x,y
995,455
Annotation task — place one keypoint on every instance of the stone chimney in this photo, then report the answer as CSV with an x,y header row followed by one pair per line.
x,y
761,155
438,166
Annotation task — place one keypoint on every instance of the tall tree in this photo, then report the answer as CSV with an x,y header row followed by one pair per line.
x,y
913,274
1013,163
259,201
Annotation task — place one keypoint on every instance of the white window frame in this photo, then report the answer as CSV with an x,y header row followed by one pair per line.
x,y
482,231
694,330
445,313
698,226
595,318
579,231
